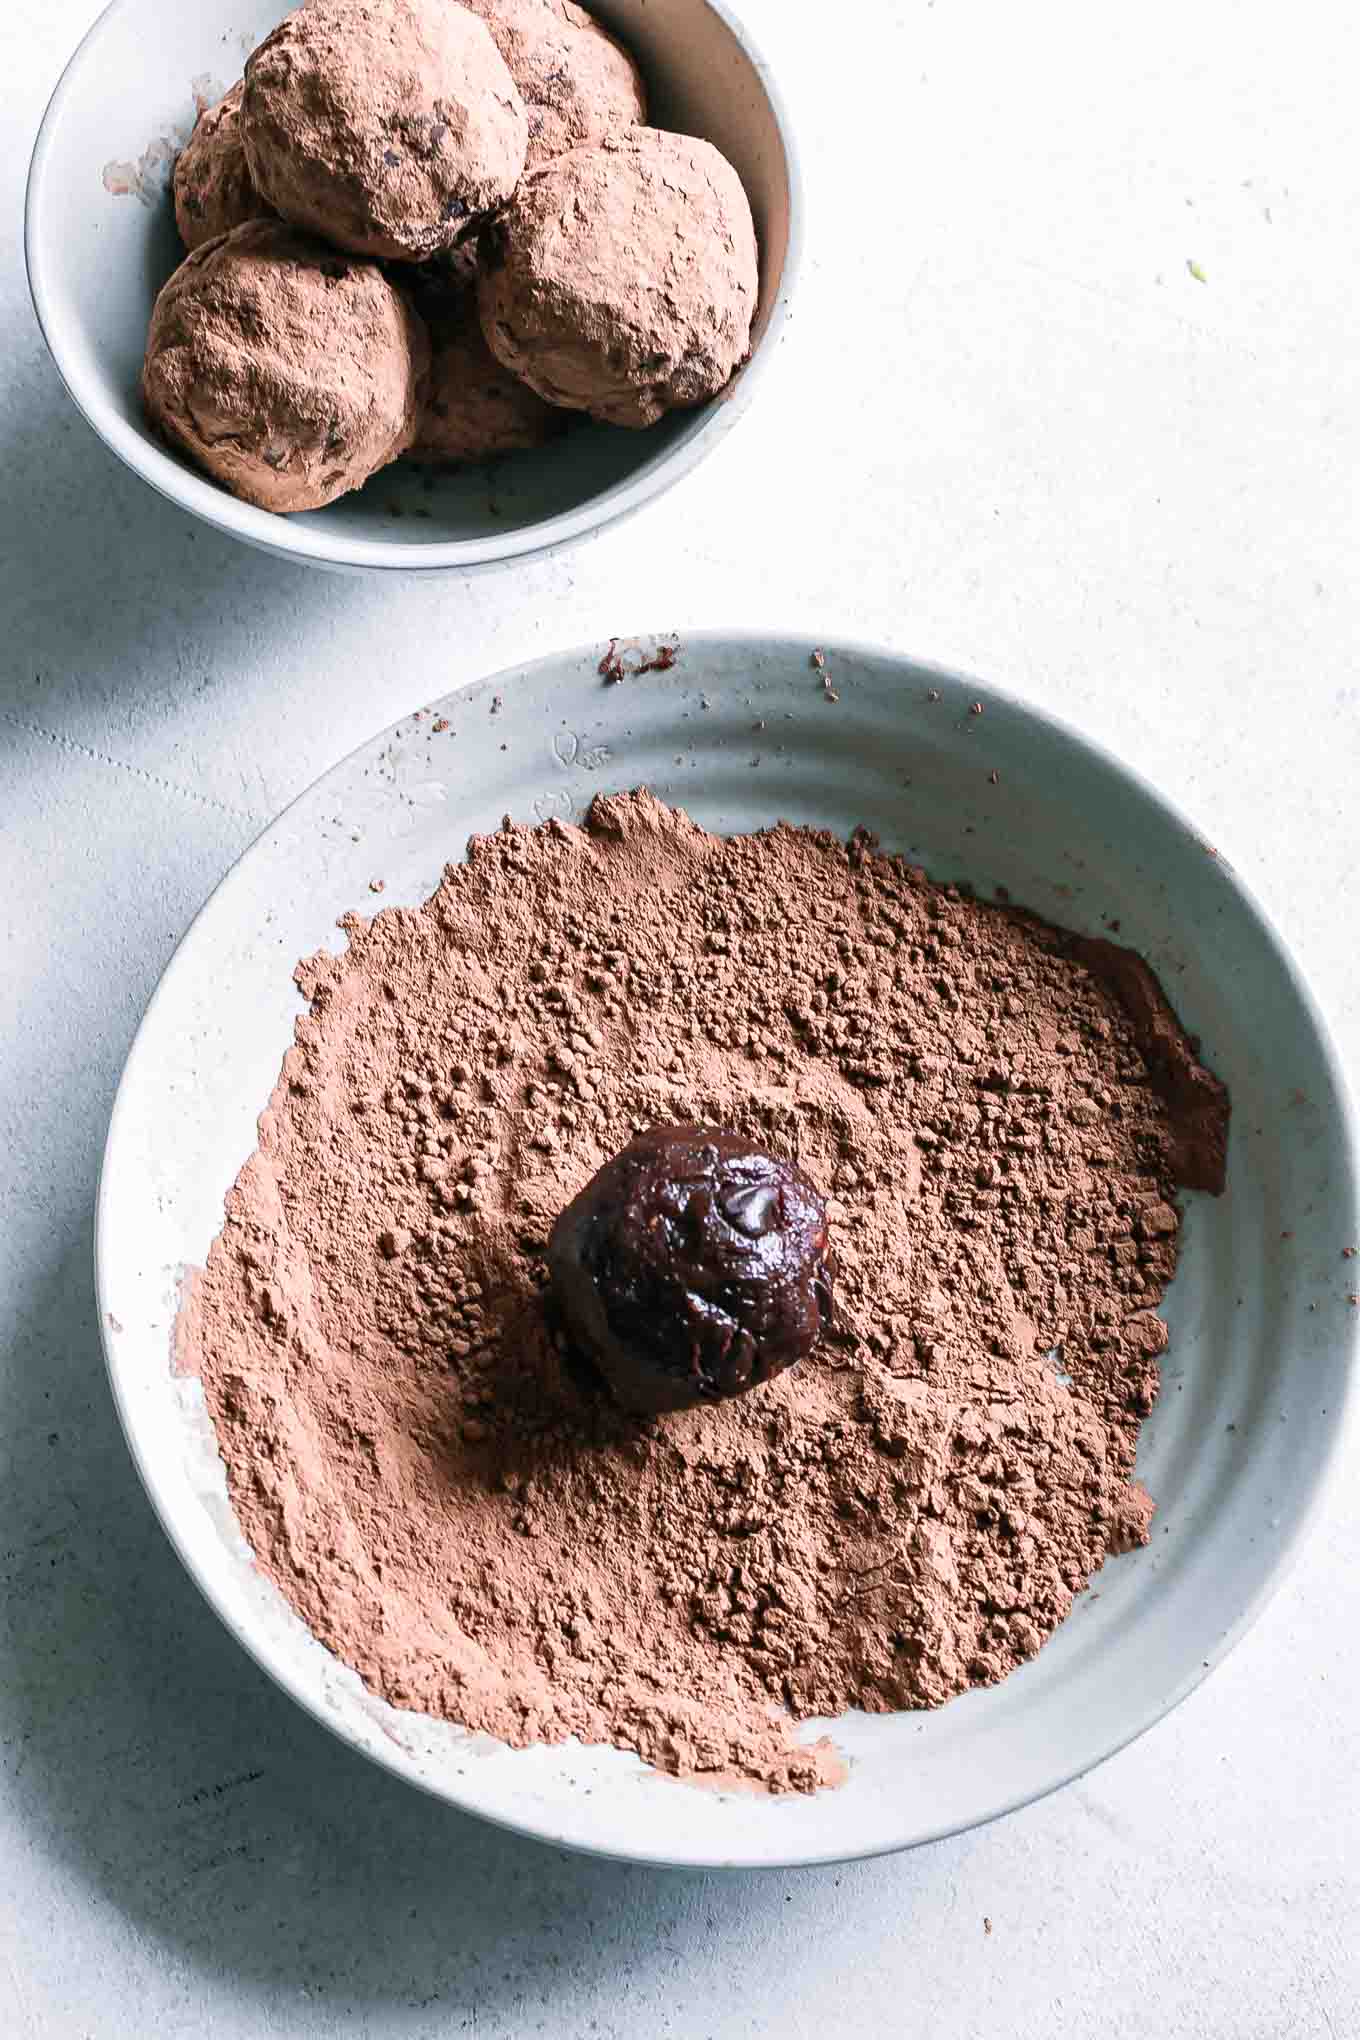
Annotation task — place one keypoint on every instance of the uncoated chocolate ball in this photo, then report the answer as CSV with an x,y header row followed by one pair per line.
x,y
693,1266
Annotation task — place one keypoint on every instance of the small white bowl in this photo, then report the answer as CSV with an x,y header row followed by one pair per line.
x,y
100,241
1261,1366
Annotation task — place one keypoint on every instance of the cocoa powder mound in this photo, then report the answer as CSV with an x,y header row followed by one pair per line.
x,y
460,1512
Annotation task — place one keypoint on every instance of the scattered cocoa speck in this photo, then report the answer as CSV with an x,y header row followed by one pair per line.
x,y
631,659
975,708
439,725
934,694
994,777
377,885
986,1925
819,660
497,704
1348,1253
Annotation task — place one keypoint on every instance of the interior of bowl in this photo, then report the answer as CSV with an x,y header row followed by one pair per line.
x,y
101,240
1258,1370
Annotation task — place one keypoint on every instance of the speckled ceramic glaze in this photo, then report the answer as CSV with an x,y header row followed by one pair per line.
x,y
100,240
1260,1365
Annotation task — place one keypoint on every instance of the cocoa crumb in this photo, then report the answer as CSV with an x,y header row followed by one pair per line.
x,y
617,665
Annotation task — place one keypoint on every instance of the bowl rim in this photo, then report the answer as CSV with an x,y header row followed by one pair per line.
x,y
1347,1417
291,539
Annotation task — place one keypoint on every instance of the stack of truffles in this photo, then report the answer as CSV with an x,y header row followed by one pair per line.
x,y
428,230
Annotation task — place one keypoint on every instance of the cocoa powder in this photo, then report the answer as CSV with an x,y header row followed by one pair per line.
x,y
458,1509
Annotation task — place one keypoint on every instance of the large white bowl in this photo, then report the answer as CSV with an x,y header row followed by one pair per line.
x,y
1258,1370
97,256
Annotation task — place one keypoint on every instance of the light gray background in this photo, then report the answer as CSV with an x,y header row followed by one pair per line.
x,y
1011,430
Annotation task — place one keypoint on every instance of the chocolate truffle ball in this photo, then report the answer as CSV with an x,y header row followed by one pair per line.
x,y
621,280
692,1267
214,190
287,370
383,125
472,407
577,83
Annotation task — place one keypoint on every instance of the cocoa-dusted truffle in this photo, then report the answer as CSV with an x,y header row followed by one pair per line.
x,y
692,1267
383,125
289,371
214,190
577,83
621,280
472,407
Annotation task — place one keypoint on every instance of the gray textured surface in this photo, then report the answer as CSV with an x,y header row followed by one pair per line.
x,y
1060,459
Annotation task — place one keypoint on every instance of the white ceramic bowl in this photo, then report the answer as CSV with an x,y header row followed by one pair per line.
x,y
100,240
1257,1375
